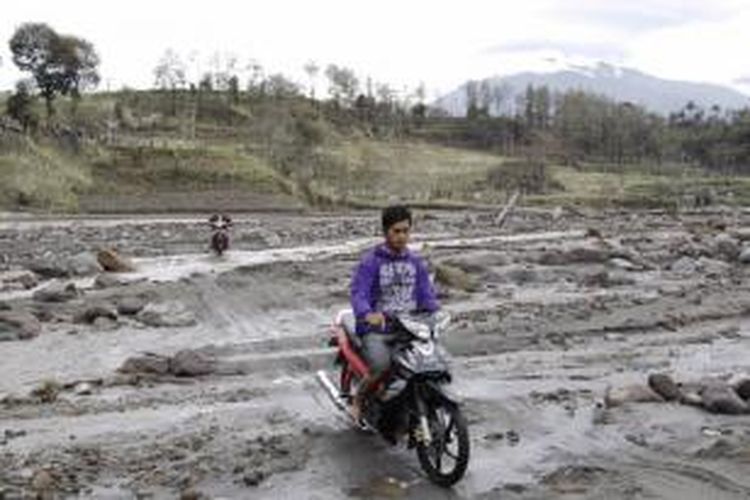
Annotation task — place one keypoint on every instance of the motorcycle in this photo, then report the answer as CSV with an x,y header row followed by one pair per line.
x,y
412,400
220,225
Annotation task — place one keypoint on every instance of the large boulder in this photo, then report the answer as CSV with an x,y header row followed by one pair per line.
x,y
188,363
720,397
84,264
637,393
113,262
16,325
744,257
685,266
589,253
146,363
167,314
726,247
454,277
130,306
56,291
50,266
91,314
18,280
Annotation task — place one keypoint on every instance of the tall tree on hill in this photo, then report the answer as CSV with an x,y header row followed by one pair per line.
x,y
343,84
169,75
59,64
312,70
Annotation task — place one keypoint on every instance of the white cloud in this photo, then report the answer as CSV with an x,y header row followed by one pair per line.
x,y
402,42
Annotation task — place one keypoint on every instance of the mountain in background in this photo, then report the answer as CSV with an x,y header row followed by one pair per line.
x,y
618,83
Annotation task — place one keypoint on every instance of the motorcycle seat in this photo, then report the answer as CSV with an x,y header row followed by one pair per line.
x,y
349,324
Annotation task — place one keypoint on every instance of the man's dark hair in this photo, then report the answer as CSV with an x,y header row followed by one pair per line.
x,y
395,214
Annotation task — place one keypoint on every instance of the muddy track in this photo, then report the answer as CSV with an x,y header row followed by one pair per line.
x,y
544,325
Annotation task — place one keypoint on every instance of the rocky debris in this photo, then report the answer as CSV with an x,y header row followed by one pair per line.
x,y
49,268
113,262
189,363
623,264
130,306
47,391
146,363
84,264
726,247
664,386
712,394
91,314
4,306
454,277
605,279
83,389
166,314
18,280
636,393
684,266
43,484
744,256
105,280
56,291
18,325
186,363
581,254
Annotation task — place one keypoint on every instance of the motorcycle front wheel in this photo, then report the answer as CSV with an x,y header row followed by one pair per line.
x,y
446,458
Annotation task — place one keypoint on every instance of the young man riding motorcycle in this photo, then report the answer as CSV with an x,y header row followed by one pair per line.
x,y
390,280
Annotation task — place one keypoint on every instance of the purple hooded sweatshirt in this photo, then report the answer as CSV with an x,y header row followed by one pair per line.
x,y
391,283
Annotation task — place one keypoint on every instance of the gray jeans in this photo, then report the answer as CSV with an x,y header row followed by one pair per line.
x,y
377,351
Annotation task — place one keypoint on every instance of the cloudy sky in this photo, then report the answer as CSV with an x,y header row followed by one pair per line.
x,y
403,42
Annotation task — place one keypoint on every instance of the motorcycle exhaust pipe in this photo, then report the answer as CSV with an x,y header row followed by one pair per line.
x,y
330,389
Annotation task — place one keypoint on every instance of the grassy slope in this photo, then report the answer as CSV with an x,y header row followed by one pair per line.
x,y
354,169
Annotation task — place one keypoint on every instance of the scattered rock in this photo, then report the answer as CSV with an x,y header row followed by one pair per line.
x,y
744,257
664,386
454,277
56,291
113,262
742,388
43,484
18,326
146,363
726,247
49,268
4,306
624,264
631,394
104,323
189,363
166,314
107,281
192,494
721,398
24,280
90,315
685,266
84,389
583,254
713,266
513,437
47,391
130,306
254,478
84,264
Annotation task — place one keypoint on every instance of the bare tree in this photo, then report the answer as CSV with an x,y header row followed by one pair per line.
x,y
312,69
